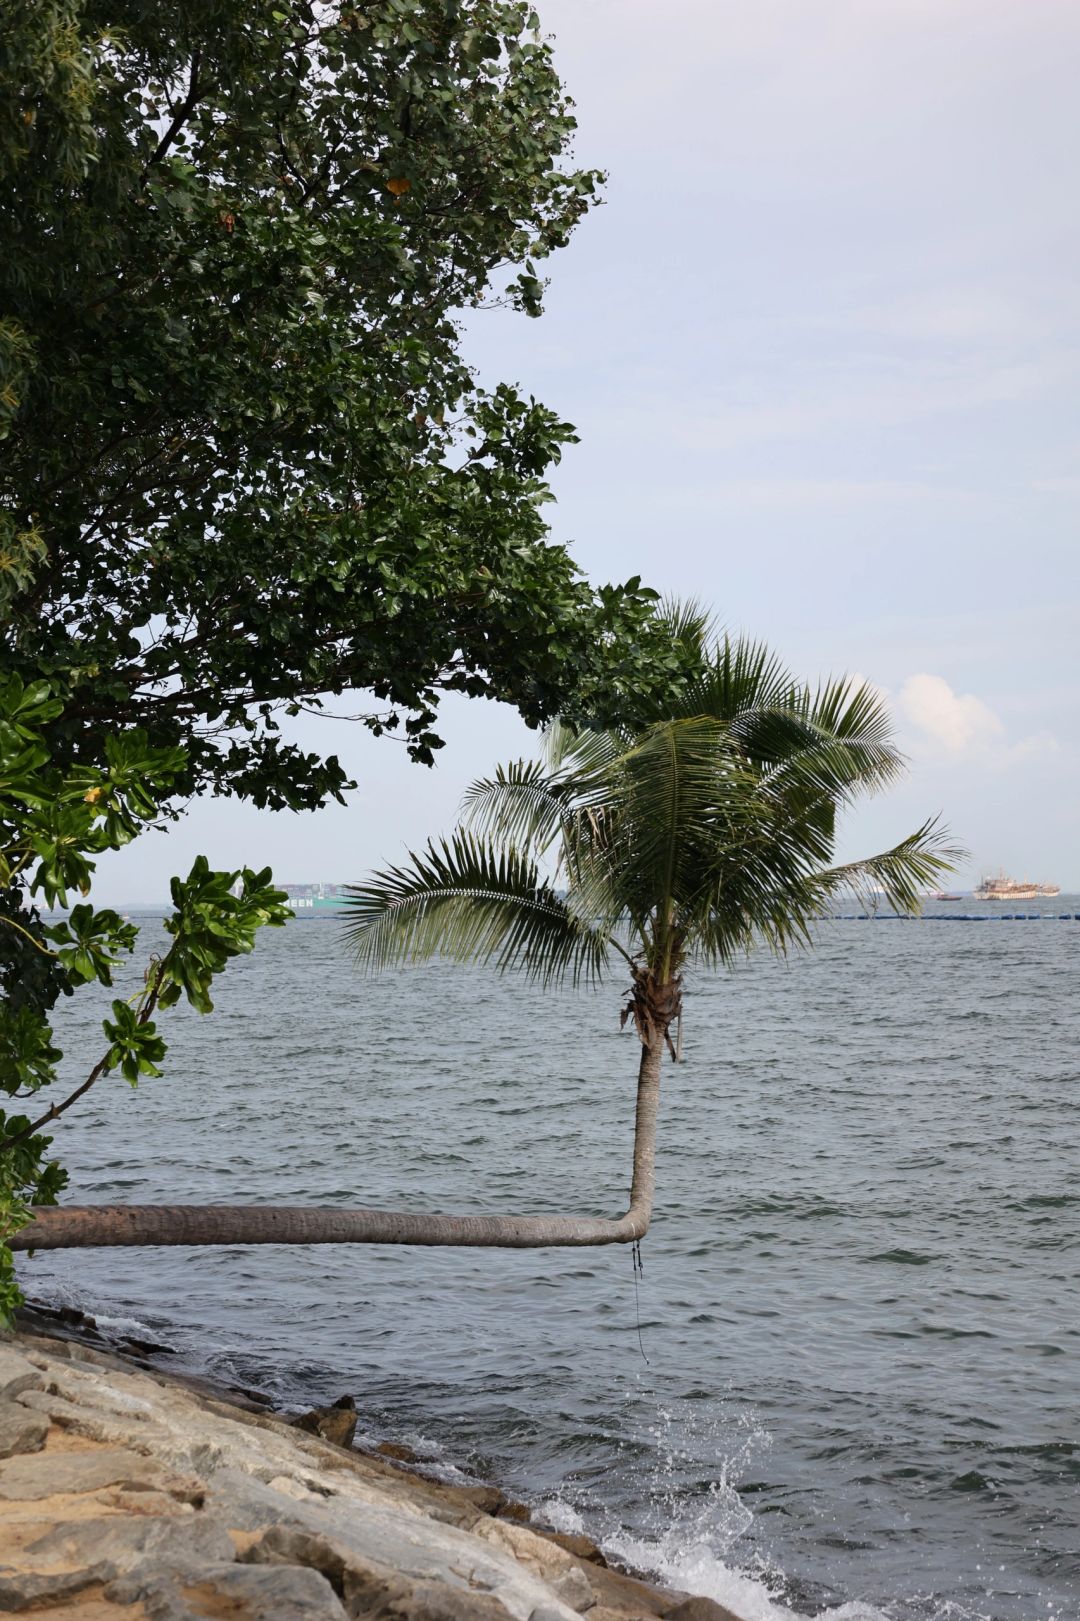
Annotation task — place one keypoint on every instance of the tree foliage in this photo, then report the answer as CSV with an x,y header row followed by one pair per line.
x,y
54,823
246,464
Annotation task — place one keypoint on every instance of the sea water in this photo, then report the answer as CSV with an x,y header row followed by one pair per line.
x,y
846,1383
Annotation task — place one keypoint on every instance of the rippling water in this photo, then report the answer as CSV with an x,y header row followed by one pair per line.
x,y
860,1300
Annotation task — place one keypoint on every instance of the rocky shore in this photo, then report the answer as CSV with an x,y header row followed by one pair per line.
x,y
127,1494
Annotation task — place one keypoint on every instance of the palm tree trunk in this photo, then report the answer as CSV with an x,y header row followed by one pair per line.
x,y
643,1186
93,1226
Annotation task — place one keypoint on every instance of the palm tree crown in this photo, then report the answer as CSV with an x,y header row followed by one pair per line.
x,y
683,841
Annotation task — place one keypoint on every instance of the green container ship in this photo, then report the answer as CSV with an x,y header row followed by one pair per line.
x,y
308,898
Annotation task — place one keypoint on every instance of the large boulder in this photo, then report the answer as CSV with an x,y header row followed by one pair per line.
x,y
20,1430
17,1374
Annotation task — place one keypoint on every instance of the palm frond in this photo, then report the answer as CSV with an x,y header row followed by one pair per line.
x,y
742,677
691,626
899,874
831,746
471,901
679,790
583,749
521,805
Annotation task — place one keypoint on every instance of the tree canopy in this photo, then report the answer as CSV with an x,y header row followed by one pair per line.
x,y
246,464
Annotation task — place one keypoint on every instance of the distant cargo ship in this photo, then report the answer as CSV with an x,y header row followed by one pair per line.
x,y
1011,889
314,897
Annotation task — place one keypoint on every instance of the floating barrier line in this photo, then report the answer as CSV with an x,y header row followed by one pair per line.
x,y
954,917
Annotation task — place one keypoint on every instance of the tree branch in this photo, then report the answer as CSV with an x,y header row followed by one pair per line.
x,y
182,114
95,1075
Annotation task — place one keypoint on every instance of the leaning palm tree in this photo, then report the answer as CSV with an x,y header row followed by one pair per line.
x,y
640,851
686,839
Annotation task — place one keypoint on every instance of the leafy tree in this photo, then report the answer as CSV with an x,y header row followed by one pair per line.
x,y
682,840
246,464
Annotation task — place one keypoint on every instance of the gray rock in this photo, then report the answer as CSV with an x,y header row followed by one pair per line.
x,y
31,1591
573,1587
368,1587
25,1479
16,1374
175,1543
84,1421
20,1430
432,1601
242,1592
381,1545
296,1545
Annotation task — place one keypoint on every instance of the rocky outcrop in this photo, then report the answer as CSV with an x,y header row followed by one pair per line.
x,y
125,1493
336,1423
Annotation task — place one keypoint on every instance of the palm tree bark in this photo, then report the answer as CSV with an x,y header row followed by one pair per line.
x,y
96,1226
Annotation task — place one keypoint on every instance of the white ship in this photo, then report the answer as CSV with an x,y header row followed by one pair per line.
x,y
1002,888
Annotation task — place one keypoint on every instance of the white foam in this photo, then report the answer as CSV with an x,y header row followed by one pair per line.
x,y
126,1325
560,1516
697,1569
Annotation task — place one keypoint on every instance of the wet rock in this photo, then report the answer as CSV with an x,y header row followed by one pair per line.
x,y
581,1547
45,1474
176,1543
395,1450
128,1344
241,1592
50,1317
699,1608
259,1398
30,1590
17,1374
488,1499
336,1423
519,1513
20,1429
614,1591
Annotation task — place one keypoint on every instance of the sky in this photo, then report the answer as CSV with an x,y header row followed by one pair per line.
x,y
822,347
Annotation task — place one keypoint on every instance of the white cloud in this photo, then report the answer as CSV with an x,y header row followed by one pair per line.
x,y
958,723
